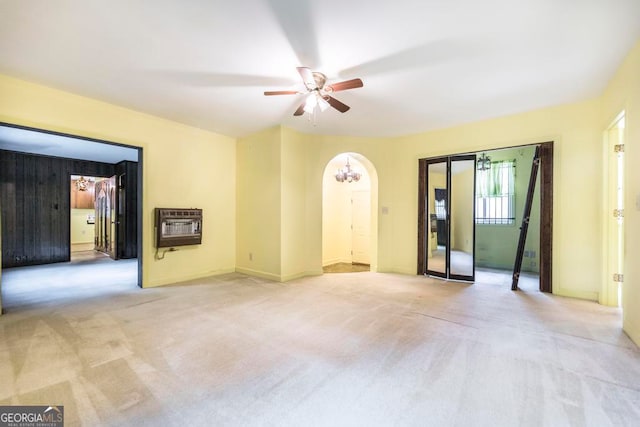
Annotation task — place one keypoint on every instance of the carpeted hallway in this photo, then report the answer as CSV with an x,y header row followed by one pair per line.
x,y
337,349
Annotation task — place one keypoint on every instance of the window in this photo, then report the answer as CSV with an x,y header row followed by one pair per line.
x,y
495,193
441,209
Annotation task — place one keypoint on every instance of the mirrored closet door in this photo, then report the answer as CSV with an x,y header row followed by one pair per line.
x,y
448,184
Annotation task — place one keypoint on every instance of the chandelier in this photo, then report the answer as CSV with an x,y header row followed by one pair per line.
x,y
82,184
347,174
483,163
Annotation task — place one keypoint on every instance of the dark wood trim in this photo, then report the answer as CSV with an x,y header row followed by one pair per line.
x,y
139,206
546,216
422,212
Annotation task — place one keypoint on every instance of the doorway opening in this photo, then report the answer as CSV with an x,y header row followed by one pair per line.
x,y
48,209
349,214
470,217
83,218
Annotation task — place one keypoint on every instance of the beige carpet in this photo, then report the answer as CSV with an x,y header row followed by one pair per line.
x,y
340,349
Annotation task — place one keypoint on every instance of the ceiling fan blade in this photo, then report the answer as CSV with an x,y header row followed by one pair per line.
x,y
343,108
347,84
281,92
300,110
307,78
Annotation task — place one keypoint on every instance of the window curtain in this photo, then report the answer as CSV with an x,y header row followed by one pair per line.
x,y
496,181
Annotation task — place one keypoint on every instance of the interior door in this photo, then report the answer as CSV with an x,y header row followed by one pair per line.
x,y
121,221
106,211
113,218
361,226
450,207
101,216
437,208
462,184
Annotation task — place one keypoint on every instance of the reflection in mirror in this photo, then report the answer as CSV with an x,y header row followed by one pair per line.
x,y
462,217
437,213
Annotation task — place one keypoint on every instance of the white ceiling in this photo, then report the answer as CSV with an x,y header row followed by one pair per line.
x,y
29,141
425,64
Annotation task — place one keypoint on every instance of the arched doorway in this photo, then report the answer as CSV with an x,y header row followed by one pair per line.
x,y
349,215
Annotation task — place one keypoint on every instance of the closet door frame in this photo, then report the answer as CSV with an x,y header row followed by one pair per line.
x,y
546,213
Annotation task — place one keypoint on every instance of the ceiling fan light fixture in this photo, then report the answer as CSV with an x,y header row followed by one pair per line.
x,y
310,103
318,93
322,103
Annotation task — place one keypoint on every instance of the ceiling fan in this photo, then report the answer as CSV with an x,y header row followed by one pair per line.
x,y
319,93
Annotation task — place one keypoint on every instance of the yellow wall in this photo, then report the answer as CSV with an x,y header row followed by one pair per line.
x,y
576,237
279,196
623,93
258,204
81,232
294,207
576,134
183,167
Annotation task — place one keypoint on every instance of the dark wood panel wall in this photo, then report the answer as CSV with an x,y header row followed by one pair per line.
x,y
35,195
127,181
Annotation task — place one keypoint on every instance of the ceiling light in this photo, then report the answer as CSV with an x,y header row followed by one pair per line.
x,y
82,184
322,103
483,163
347,174
310,103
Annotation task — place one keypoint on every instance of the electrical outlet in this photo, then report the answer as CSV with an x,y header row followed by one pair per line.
x,y
250,256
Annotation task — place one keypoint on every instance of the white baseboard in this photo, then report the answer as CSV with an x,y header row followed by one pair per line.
x,y
174,280
81,247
